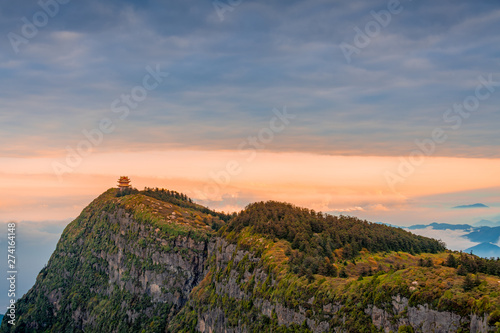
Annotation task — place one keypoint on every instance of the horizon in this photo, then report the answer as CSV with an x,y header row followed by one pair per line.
x,y
203,203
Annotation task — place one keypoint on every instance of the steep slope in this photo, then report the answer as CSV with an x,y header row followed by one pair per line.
x,y
152,261
125,263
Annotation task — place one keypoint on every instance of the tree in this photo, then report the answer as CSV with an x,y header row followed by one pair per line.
x,y
477,281
429,262
451,261
468,283
405,329
327,269
461,270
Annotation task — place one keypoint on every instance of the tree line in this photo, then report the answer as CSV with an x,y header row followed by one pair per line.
x,y
315,237
181,200
468,263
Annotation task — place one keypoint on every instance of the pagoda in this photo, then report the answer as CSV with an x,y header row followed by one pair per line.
x,y
123,183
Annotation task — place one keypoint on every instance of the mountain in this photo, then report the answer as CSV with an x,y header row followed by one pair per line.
x,y
484,235
154,261
477,205
486,223
441,226
485,250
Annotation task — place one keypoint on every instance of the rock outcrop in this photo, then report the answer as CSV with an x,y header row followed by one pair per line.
x,y
423,319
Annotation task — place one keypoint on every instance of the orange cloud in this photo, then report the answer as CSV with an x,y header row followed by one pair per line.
x,y
325,183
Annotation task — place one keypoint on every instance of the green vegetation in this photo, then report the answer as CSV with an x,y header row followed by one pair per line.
x,y
318,240
468,263
181,200
127,191
434,285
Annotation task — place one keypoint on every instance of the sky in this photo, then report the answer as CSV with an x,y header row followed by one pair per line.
x,y
384,110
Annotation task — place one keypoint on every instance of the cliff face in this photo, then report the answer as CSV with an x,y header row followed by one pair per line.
x,y
230,281
138,264
241,283
165,269
423,319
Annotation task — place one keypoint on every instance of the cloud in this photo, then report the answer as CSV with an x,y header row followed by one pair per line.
x,y
453,238
347,210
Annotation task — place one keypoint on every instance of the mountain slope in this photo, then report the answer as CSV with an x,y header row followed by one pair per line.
x,y
140,263
120,259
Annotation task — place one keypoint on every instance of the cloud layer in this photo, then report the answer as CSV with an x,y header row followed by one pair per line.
x,y
226,76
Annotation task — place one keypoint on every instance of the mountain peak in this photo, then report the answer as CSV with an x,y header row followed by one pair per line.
x,y
167,210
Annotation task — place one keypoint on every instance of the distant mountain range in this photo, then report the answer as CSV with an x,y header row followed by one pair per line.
x,y
488,237
442,226
484,234
486,223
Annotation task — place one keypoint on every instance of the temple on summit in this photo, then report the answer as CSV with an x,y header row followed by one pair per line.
x,y
123,183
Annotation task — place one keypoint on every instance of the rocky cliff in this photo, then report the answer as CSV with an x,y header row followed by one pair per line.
x,y
139,264
238,284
